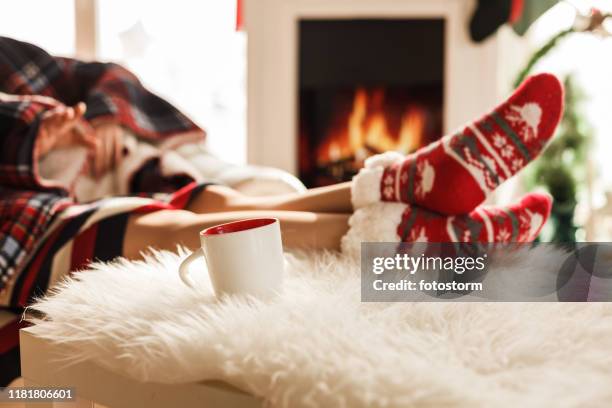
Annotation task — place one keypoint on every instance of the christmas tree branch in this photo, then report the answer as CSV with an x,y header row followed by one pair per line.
x,y
540,53
595,25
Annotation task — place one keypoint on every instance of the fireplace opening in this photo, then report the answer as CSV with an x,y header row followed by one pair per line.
x,y
366,86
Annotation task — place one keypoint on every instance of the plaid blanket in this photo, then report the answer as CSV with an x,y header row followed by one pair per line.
x,y
80,234
27,203
109,90
31,208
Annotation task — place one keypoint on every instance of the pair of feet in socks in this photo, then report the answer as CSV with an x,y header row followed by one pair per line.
x,y
444,184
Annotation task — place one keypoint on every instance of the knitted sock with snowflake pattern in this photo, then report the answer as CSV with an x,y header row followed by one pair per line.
x,y
519,222
456,173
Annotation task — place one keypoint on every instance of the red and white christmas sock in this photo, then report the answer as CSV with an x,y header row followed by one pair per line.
x,y
456,173
394,222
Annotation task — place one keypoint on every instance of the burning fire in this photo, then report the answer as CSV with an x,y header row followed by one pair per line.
x,y
367,130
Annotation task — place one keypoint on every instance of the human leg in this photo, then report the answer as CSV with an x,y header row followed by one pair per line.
x,y
451,176
167,228
330,199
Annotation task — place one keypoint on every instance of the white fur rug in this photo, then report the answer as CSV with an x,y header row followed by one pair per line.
x,y
318,345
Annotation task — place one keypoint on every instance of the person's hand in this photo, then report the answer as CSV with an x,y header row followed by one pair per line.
x,y
109,152
64,126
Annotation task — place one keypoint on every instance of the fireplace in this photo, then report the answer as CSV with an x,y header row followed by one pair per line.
x,y
366,86
331,82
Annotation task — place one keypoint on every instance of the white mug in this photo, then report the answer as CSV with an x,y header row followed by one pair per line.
x,y
243,257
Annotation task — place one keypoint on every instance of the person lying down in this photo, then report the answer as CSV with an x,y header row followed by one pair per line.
x,y
47,229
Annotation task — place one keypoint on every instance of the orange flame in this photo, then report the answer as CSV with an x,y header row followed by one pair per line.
x,y
367,130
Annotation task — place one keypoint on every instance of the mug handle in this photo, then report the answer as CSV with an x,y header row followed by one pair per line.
x,y
184,267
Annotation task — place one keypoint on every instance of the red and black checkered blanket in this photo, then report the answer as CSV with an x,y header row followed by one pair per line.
x,y
28,205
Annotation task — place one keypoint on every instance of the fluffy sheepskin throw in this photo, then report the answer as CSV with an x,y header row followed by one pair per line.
x,y
318,345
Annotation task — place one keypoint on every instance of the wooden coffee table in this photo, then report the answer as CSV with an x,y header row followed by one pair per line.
x,y
95,385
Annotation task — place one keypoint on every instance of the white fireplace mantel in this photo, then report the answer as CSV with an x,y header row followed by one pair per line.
x,y
475,77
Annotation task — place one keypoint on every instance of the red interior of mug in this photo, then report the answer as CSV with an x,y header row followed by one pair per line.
x,y
237,226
